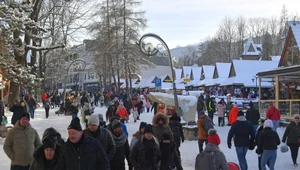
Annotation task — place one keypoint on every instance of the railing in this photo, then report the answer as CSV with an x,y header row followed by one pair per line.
x,y
286,107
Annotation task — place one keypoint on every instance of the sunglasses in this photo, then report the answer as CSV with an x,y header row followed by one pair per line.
x,y
296,117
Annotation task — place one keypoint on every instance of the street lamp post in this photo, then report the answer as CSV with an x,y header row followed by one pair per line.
x,y
80,66
148,49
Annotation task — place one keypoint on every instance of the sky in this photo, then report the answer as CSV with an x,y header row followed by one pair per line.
x,y
184,22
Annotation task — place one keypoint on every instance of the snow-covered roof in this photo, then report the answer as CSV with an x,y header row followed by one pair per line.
x,y
250,48
223,69
147,71
178,73
196,72
146,82
296,31
133,82
208,71
187,71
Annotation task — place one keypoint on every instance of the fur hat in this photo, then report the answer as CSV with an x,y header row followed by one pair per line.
x,y
213,137
142,125
24,115
240,113
75,124
268,123
148,129
93,119
115,124
49,143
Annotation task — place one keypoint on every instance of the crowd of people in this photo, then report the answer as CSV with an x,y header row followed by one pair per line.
x,y
247,130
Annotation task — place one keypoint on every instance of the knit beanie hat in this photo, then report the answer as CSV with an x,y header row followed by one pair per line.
x,y
75,124
268,123
148,129
49,133
213,137
142,125
240,113
165,136
24,115
49,143
115,124
93,119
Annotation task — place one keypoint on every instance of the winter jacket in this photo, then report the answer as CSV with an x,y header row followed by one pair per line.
x,y
220,109
219,157
233,114
44,96
292,133
154,107
145,157
253,116
106,140
31,103
17,110
123,113
87,154
273,113
122,151
111,110
135,138
202,133
200,104
83,100
243,133
39,160
20,143
73,109
158,130
178,138
267,140
211,106
169,156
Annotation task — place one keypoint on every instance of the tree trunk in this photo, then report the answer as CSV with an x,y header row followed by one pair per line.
x,y
14,93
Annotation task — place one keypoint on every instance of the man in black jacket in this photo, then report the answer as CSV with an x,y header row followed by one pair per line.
x,y
253,116
243,134
81,152
102,135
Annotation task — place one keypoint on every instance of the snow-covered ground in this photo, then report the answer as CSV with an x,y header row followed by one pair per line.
x,y
189,149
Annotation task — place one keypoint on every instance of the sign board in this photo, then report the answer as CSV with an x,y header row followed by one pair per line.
x,y
158,83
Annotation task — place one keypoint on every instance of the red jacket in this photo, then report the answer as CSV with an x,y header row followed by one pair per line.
x,y
273,113
44,96
123,113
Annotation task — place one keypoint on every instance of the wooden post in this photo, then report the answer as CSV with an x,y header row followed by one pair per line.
x,y
277,91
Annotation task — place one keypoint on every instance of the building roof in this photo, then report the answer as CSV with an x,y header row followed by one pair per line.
x,y
196,72
187,71
178,73
295,26
147,71
250,48
252,67
208,71
223,69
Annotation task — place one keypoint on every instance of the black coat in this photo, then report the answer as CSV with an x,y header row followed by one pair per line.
x,y
17,110
39,160
178,138
106,140
253,116
242,131
267,140
145,157
154,106
292,133
111,110
83,100
122,151
169,157
87,154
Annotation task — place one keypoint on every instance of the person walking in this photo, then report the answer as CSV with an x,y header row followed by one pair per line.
x,y
259,151
20,143
32,106
221,106
177,131
154,107
219,159
18,108
243,134
137,135
122,112
291,136
81,152
160,125
211,109
273,114
169,155
252,115
268,140
145,154
122,147
102,135
47,105
202,137
45,157
233,114
200,104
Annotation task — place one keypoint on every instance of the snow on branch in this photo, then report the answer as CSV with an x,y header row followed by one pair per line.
x,y
34,48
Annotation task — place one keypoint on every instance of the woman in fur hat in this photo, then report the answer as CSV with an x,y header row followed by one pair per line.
x,y
160,125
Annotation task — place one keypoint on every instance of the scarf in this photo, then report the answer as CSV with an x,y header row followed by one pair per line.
x,y
119,139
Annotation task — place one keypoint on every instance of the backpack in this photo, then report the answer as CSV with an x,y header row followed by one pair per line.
x,y
205,161
207,124
176,134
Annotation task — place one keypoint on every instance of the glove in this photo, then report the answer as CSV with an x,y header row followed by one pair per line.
x,y
229,145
